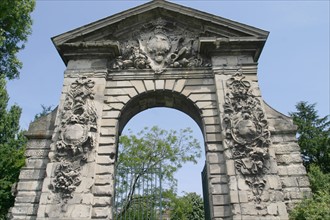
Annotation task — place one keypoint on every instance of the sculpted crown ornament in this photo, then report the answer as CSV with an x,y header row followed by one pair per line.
x,y
75,136
160,44
247,133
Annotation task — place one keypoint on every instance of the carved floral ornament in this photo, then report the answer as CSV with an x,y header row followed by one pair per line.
x,y
160,45
247,133
76,136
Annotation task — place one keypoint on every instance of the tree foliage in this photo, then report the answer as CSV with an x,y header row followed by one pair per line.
x,y
318,206
152,149
15,27
187,207
12,142
45,111
314,136
314,140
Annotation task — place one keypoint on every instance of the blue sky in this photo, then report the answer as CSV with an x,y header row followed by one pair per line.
x,y
293,66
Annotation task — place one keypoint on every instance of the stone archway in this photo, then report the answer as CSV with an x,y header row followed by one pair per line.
x,y
194,96
161,54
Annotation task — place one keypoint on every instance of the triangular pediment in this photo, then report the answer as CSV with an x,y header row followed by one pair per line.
x,y
176,24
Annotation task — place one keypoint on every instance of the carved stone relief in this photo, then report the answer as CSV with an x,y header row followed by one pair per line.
x,y
160,45
247,133
76,136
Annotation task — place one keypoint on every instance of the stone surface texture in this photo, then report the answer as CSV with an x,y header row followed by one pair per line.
x,y
161,54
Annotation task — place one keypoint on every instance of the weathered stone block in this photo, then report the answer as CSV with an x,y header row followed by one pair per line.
x,y
212,129
179,85
282,170
106,149
25,209
234,196
110,114
230,165
121,99
101,212
274,182
38,143
203,97
160,84
282,210
217,169
138,85
104,169
272,209
149,84
213,137
36,153
209,112
221,199
32,174
233,183
36,163
248,209
111,106
207,105
29,185
105,159
109,122
242,184
215,157
214,147
102,201
102,190
243,196
85,185
289,181
27,197
106,179
108,131
219,188
81,198
169,84
218,179
296,170
212,120
106,140
78,211
303,181
222,211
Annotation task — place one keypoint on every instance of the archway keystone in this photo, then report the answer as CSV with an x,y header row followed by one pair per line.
x,y
161,54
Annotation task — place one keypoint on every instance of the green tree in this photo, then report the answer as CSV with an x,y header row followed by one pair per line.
x,y
314,140
45,111
318,206
15,27
314,136
12,142
188,207
151,150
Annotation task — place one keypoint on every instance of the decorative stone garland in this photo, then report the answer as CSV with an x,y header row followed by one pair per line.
x,y
247,133
76,136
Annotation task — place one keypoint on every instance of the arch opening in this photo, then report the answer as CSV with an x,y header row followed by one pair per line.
x,y
178,112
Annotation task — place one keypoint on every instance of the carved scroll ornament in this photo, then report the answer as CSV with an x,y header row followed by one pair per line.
x,y
160,45
247,133
75,136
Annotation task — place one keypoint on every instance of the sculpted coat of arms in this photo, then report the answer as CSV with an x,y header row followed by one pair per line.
x,y
160,45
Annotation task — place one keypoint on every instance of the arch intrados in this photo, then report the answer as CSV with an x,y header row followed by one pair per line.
x,y
159,98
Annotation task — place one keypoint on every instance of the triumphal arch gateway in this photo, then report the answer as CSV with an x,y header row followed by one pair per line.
x,y
161,54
